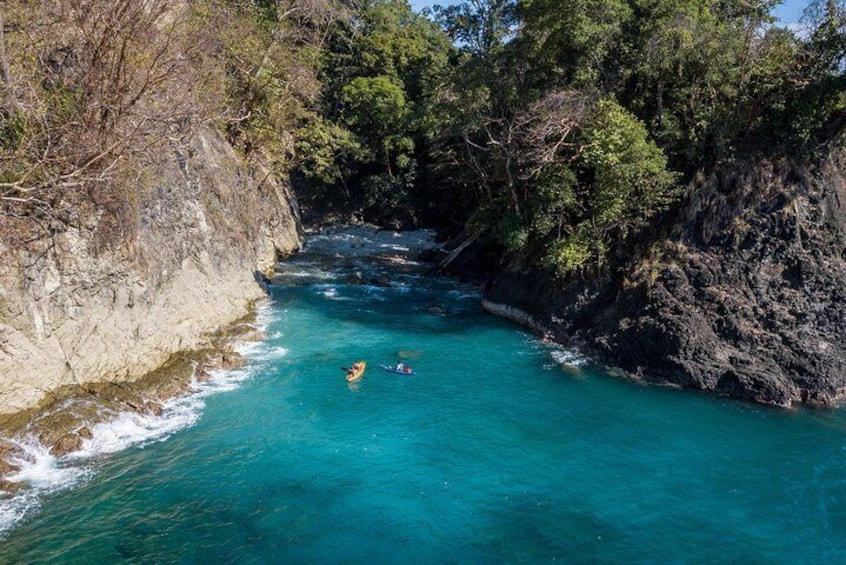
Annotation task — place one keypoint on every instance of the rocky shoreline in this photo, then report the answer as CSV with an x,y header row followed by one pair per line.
x,y
745,299
95,321
61,424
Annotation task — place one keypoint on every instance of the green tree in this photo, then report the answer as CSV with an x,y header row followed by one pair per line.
x,y
375,108
575,42
480,26
631,182
382,77
628,183
818,97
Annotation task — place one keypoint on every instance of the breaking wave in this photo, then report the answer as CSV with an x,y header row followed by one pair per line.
x,y
41,474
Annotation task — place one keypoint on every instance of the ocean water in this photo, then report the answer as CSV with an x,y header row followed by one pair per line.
x,y
501,449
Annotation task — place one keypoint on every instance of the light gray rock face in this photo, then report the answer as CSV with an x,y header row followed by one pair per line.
x,y
83,306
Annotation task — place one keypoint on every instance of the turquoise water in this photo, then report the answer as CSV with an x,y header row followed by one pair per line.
x,y
493,453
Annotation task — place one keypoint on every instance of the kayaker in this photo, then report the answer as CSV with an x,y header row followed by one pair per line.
x,y
400,366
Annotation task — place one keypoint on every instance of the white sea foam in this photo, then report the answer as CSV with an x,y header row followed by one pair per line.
x,y
330,292
264,314
288,273
129,429
14,509
463,295
43,473
373,289
305,276
246,348
568,357
267,353
363,240
41,470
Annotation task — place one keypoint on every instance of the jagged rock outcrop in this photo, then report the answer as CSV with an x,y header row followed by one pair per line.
x,y
747,298
97,302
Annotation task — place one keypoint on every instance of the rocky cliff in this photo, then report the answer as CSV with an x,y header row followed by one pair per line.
x,y
94,301
746,298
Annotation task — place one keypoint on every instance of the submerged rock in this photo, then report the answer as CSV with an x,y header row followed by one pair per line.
x,y
380,281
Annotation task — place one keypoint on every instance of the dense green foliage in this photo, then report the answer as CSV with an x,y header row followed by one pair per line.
x,y
562,129
382,74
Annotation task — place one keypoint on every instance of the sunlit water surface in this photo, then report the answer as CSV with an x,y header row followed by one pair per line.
x,y
500,449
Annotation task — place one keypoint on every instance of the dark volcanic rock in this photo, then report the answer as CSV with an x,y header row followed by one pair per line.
x,y
746,299
355,278
380,281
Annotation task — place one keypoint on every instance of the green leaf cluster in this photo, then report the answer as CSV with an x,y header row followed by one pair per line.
x,y
629,185
381,75
573,132
565,128
631,182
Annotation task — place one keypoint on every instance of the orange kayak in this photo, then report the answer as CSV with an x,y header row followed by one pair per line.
x,y
356,371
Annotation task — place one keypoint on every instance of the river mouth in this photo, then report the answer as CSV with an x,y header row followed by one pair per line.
x,y
359,255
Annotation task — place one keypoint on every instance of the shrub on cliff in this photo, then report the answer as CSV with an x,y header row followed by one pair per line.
x,y
75,77
92,90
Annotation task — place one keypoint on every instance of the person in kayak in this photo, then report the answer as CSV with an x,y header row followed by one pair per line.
x,y
354,371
